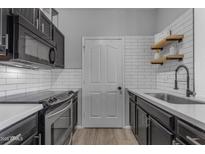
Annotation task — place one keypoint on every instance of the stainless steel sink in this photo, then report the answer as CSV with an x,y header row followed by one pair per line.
x,y
174,99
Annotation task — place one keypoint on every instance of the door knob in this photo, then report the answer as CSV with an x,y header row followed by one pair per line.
x,y
119,88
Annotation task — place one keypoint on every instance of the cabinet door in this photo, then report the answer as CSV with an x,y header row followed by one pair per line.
x,y
27,13
3,31
75,113
45,25
59,40
132,116
158,134
142,126
36,17
136,120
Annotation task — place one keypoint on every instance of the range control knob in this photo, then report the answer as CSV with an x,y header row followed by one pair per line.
x,y
52,99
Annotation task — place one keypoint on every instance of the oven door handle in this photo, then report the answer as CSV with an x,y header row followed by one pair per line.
x,y
59,112
193,140
13,139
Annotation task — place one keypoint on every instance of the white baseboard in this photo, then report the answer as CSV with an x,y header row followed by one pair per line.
x,y
124,127
127,127
79,127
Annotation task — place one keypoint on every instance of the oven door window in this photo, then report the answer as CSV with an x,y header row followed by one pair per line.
x,y
61,128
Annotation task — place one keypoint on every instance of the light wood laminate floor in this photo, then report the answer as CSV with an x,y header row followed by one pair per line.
x,y
93,136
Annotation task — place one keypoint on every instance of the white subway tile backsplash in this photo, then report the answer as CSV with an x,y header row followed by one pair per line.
x,y
138,72
15,80
165,74
64,79
137,55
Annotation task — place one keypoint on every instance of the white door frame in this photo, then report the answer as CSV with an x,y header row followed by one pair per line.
x,y
83,72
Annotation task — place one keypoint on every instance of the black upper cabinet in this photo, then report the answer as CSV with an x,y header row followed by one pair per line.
x,y
59,40
27,13
37,18
46,29
3,31
158,134
45,25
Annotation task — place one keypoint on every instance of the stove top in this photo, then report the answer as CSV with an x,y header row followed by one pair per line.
x,y
48,97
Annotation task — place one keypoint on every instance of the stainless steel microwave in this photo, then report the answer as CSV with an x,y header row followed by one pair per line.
x,y
26,46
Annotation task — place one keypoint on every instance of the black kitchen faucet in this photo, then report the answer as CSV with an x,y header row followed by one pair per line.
x,y
188,91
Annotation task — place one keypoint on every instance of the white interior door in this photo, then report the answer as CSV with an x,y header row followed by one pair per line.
x,y
102,69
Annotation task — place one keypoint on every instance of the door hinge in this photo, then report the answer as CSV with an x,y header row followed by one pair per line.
x,y
84,47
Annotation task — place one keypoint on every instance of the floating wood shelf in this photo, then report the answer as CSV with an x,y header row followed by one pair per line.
x,y
164,42
163,59
175,57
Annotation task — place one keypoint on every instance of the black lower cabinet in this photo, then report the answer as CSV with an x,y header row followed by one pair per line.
x,y
132,116
136,120
152,125
158,134
142,126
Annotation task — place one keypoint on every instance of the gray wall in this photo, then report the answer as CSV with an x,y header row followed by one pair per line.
x,y
166,16
75,23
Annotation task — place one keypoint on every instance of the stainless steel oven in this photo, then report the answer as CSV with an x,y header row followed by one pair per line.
x,y
58,124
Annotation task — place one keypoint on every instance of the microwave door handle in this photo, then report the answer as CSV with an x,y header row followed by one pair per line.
x,y
61,111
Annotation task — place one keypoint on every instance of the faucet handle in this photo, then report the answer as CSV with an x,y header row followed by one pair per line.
x,y
189,92
194,93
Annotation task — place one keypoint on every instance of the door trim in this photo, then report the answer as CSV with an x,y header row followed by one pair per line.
x,y
83,72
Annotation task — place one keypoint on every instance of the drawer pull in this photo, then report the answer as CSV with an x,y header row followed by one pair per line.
x,y
193,140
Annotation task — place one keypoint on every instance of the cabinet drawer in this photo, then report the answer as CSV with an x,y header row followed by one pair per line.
x,y
158,134
165,118
131,96
190,134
